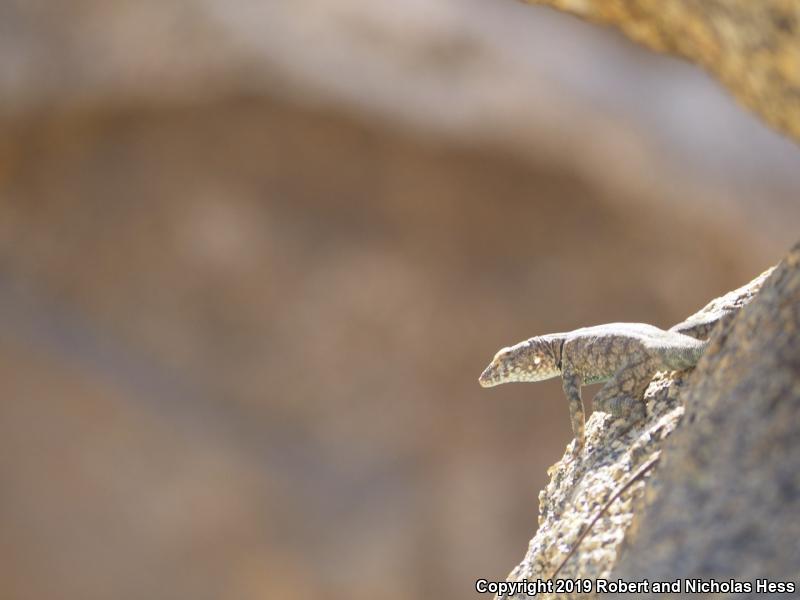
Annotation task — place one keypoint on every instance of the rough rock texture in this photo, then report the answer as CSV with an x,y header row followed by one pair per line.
x,y
753,47
580,488
729,487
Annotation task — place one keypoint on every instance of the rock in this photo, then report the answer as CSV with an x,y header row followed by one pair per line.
x,y
752,47
583,497
728,490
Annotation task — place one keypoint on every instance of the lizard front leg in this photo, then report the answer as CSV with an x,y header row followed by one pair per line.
x,y
572,383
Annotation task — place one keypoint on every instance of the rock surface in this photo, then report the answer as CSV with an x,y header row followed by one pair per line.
x,y
752,47
728,490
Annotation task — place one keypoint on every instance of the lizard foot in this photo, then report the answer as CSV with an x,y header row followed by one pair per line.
x,y
622,407
627,413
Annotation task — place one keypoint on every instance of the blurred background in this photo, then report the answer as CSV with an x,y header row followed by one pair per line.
x,y
253,257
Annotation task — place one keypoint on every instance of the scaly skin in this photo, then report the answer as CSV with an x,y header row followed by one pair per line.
x,y
625,355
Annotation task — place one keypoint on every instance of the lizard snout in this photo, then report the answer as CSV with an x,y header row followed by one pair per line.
x,y
488,377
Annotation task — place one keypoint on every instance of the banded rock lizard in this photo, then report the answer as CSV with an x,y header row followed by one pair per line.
x,y
624,355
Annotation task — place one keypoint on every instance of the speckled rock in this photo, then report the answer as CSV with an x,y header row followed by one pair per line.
x,y
752,47
729,486
616,453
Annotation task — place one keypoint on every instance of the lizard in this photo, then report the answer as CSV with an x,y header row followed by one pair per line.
x,y
624,355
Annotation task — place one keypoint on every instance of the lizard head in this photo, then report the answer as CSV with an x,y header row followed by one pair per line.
x,y
531,360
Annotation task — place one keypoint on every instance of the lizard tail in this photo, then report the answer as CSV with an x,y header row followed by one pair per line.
x,y
687,356
701,327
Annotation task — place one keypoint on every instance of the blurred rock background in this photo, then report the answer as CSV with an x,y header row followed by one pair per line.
x,y
253,257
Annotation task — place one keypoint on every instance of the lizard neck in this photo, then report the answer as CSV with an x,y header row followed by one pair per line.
x,y
550,348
